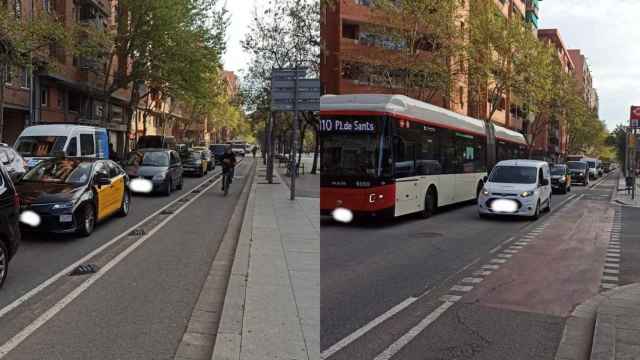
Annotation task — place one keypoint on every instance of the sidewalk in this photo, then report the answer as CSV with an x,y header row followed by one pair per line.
x,y
605,327
272,305
307,185
623,197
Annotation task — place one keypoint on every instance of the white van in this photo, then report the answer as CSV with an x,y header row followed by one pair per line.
x,y
516,187
40,142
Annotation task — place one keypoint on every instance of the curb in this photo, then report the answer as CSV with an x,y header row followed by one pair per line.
x,y
201,332
586,333
228,341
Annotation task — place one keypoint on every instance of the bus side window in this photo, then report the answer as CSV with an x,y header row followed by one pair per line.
x,y
447,151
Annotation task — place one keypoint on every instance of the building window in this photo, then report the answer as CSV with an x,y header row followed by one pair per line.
x,y
44,96
47,5
350,31
7,74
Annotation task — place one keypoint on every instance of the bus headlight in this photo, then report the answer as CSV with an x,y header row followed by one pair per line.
x,y
342,215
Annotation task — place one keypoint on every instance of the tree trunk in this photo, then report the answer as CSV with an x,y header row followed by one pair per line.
x,y
316,151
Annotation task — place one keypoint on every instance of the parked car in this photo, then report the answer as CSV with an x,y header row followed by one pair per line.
x,y
194,162
516,187
238,149
560,178
72,194
579,172
160,166
14,163
206,153
40,142
156,142
218,151
593,167
9,223
607,166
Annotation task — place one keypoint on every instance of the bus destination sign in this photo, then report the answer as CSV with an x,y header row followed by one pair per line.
x,y
352,126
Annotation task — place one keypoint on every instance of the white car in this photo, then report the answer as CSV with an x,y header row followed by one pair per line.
x,y
516,187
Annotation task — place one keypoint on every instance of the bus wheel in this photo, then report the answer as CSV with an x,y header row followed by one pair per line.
x,y
429,204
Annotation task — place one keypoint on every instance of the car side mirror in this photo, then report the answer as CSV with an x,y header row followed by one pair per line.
x,y
102,180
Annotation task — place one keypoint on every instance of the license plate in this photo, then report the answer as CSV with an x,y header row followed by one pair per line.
x,y
66,218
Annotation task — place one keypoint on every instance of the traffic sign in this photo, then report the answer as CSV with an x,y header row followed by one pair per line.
x,y
291,91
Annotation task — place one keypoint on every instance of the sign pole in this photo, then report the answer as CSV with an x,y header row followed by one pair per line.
x,y
270,148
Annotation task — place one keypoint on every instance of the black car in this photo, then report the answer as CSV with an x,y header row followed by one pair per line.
x,y
218,151
579,172
13,162
9,223
560,178
161,166
73,194
194,162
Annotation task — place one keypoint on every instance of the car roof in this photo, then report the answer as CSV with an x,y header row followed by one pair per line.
x,y
55,129
522,162
154,150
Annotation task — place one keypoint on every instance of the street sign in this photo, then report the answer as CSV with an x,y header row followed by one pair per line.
x,y
289,85
635,117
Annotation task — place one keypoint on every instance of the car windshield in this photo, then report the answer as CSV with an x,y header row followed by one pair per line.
x,y
237,146
34,146
575,165
192,155
156,158
592,164
558,170
514,174
218,149
66,171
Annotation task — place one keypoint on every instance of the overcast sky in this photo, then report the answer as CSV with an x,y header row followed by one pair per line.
x,y
608,34
240,12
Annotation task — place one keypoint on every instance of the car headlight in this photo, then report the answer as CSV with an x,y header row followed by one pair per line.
x,y
527,193
159,176
64,205
485,192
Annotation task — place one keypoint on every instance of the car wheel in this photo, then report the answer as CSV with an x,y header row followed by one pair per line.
x,y
181,183
126,203
429,205
4,262
86,220
169,187
536,214
548,208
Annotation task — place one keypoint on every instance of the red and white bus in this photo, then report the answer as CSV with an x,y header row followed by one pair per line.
x,y
392,155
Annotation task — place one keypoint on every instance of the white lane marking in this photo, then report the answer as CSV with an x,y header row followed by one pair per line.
x,y
389,352
510,251
55,309
612,250
610,279
495,249
471,280
611,271
461,288
498,261
31,293
611,265
522,243
608,286
516,247
506,256
370,325
482,273
492,267
452,298
613,255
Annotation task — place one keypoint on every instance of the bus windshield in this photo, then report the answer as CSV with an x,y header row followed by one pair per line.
x,y
351,146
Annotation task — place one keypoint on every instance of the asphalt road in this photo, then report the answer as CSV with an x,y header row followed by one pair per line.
x,y
382,284
138,304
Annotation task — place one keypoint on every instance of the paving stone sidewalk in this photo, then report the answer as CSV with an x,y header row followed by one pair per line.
x,y
272,307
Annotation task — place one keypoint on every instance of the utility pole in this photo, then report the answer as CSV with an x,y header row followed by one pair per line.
x,y
294,141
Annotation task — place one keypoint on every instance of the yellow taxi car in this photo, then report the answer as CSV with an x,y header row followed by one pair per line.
x,y
560,178
194,162
72,194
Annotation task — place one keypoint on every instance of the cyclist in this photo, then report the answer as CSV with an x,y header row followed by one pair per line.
x,y
228,164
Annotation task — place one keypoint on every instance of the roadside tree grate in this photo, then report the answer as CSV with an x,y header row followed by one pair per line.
x,y
84,269
167,212
137,232
196,191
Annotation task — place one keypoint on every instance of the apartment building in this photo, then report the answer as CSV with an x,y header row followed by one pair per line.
x,y
585,81
552,141
348,47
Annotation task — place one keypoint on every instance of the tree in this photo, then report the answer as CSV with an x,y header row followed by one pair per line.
x,y
285,34
173,47
27,43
